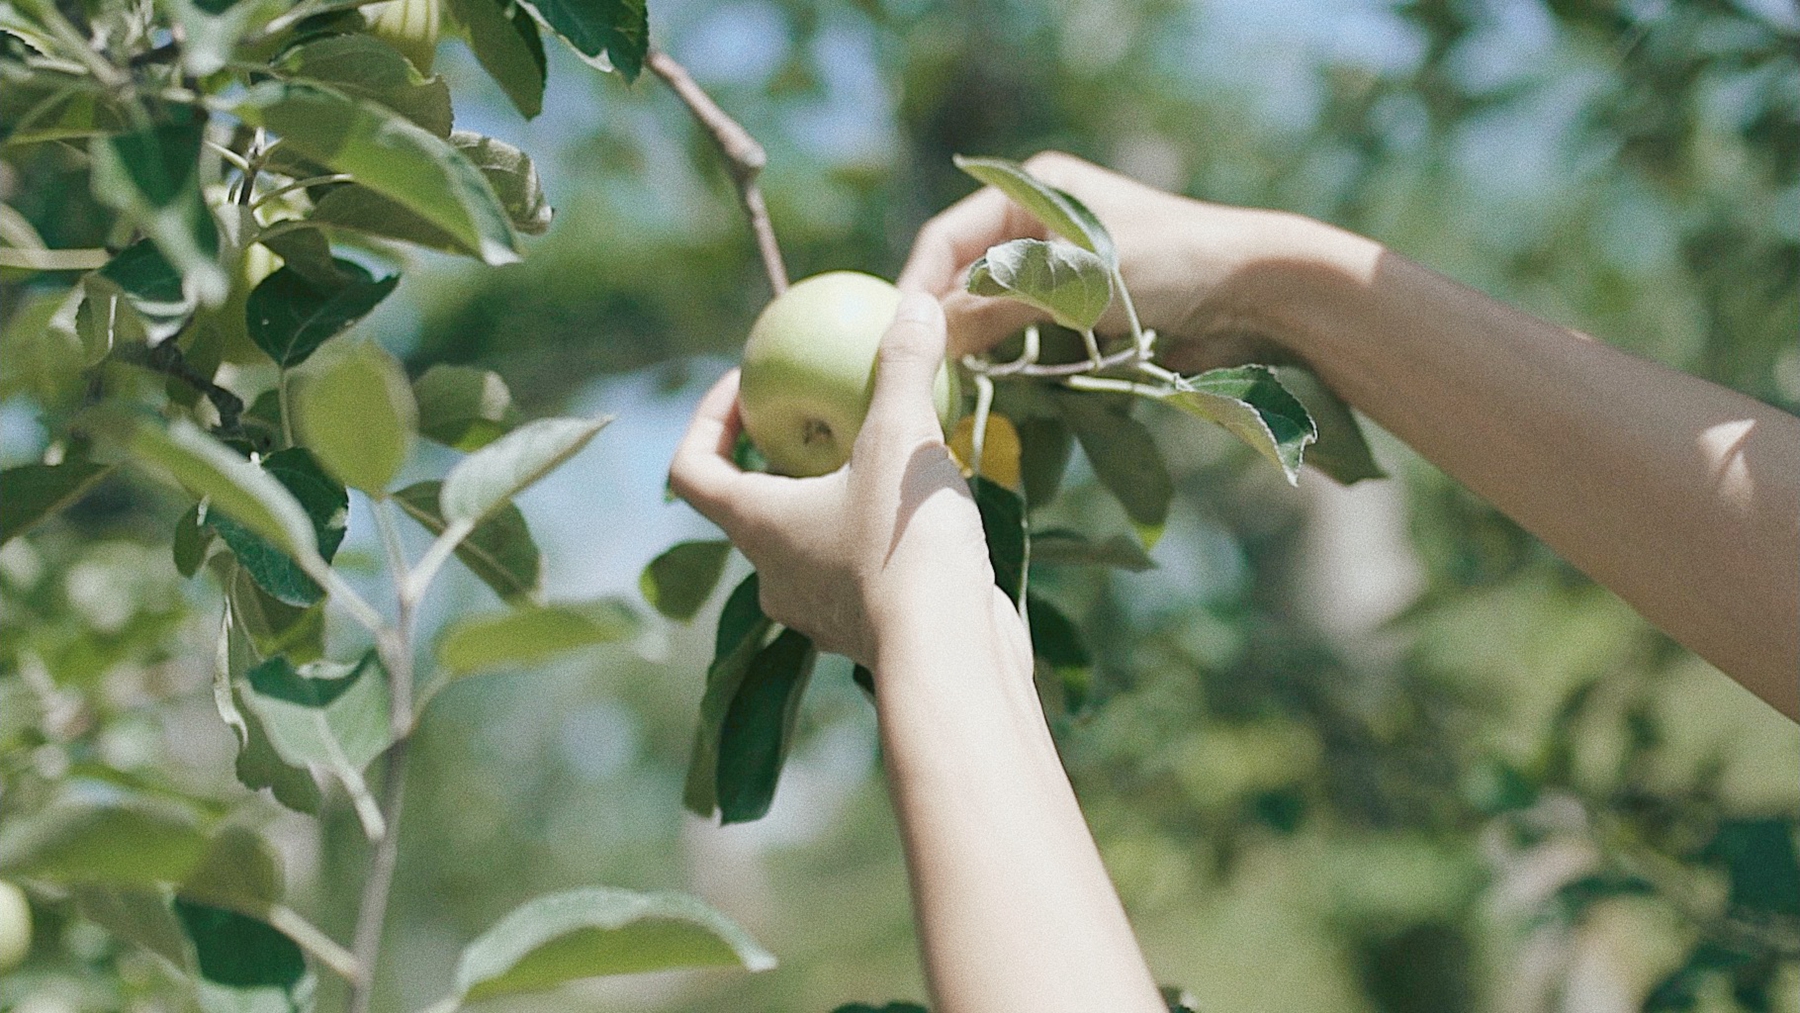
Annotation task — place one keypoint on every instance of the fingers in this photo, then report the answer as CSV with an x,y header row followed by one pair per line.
x,y
978,323
703,472
950,241
902,407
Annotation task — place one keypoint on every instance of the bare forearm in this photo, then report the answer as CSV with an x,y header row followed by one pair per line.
x,y
1015,910
1681,496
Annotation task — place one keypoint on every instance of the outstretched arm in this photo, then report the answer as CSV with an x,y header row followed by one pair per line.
x,y
1681,496
885,561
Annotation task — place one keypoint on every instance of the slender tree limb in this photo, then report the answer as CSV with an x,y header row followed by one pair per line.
x,y
166,358
396,646
744,158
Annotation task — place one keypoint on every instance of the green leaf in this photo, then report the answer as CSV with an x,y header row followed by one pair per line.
x,y
1057,644
485,480
138,914
137,296
743,629
324,501
1061,547
239,872
239,951
596,931
758,729
1044,448
514,179
258,764
464,407
1065,281
505,40
308,253
892,1007
289,315
362,66
680,580
31,492
1341,451
1003,521
192,541
618,30
330,717
1124,458
500,550
391,156
1060,212
272,626
530,634
1760,855
356,413
1252,405
507,170
102,836
235,487
211,30
152,177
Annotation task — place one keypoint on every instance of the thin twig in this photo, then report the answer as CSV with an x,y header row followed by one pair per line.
x,y
166,358
744,158
395,645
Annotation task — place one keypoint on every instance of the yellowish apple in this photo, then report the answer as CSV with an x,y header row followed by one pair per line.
x,y
809,371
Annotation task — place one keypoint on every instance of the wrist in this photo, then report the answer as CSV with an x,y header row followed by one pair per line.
x,y
1295,279
952,639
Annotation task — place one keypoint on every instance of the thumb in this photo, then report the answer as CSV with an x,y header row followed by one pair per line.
x,y
906,369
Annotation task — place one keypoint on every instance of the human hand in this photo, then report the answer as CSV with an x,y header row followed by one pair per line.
x,y
888,547
1196,270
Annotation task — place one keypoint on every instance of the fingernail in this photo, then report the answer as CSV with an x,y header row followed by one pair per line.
x,y
916,308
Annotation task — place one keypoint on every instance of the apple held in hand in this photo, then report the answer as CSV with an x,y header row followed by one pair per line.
x,y
809,371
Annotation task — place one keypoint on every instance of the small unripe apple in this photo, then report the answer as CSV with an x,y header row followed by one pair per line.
x,y
411,26
809,371
15,926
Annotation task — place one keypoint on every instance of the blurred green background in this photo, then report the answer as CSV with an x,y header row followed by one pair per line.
x,y
1356,749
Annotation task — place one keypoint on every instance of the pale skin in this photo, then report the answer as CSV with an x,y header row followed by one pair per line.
x,y
1679,495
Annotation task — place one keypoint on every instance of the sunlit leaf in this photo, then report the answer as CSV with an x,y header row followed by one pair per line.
x,y
362,66
596,931
355,411
391,156
530,634
464,407
1060,212
1252,405
493,475
505,40
1065,281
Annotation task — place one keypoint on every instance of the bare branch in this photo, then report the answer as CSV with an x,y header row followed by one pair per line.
x,y
744,158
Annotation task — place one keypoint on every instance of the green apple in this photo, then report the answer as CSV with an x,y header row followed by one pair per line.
x,y
15,926
809,370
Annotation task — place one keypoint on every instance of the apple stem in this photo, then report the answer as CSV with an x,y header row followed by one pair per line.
x,y
744,157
